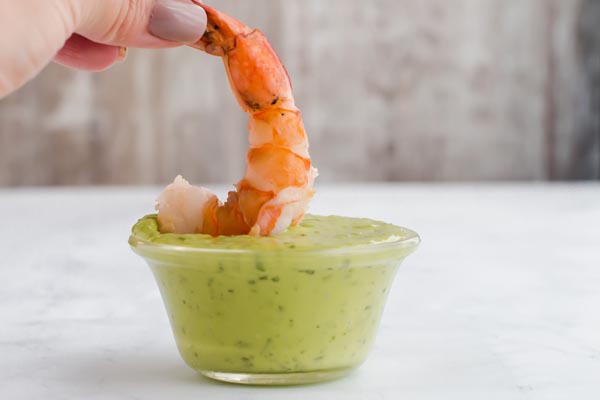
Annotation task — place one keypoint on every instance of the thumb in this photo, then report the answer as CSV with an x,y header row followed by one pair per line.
x,y
104,29
139,23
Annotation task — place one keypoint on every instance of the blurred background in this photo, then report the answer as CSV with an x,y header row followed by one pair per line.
x,y
391,90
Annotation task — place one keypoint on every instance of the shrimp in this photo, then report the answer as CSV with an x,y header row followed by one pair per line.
x,y
278,183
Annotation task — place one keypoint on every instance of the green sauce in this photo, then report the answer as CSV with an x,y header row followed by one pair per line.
x,y
308,299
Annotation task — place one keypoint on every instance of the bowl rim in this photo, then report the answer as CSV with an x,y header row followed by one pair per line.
x,y
410,243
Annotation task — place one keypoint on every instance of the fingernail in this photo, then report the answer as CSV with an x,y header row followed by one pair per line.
x,y
122,54
178,21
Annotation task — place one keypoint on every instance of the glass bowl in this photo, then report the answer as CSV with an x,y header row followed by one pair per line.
x,y
275,316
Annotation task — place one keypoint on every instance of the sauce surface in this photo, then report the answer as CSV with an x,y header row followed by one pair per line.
x,y
314,232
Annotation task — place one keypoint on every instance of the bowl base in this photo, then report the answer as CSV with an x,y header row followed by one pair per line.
x,y
291,378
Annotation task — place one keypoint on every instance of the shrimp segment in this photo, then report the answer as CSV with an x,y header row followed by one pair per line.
x,y
278,184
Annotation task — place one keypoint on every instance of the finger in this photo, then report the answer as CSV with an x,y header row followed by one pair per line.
x,y
141,23
81,53
33,31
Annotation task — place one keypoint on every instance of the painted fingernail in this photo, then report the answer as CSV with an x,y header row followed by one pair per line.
x,y
122,54
178,21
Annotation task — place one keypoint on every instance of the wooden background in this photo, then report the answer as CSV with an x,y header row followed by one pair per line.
x,y
390,90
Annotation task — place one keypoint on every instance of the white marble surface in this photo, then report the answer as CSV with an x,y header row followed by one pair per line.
x,y
501,301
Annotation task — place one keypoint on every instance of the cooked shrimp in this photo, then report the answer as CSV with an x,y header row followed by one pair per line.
x,y
278,184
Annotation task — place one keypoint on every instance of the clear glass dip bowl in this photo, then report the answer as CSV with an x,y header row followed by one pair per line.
x,y
277,313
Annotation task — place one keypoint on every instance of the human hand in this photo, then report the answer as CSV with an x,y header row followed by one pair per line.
x,y
88,34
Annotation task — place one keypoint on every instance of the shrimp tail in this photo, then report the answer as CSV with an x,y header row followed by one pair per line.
x,y
221,32
256,74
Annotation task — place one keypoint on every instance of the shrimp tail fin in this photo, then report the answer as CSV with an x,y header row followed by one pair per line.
x,y
221,32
